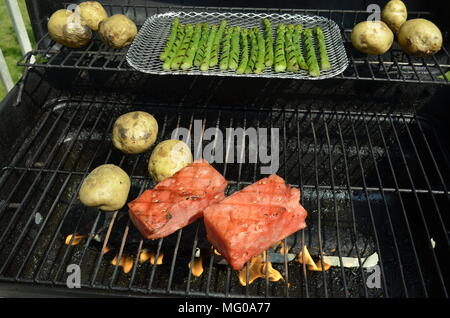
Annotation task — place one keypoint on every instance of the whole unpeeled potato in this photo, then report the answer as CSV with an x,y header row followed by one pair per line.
x,y
117,31
92,13
63,29
394,14
420,37
372,37
134,132
106,188
167,158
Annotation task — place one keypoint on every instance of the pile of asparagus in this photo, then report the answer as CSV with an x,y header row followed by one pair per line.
x,y
244,50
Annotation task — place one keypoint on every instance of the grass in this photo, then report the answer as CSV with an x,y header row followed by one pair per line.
x,y
9,44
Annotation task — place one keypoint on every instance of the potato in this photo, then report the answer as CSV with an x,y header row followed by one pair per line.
x,y
117,31
76,35
106,188
394,14
134,132
420,37
167,158
64,30
92,13
372,37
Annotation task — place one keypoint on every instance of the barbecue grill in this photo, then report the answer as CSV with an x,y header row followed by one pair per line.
x,y
368,149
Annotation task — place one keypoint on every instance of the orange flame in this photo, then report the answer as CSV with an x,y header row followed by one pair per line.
x,y
106,249
77,238
304,256
126,262
257,268
197,267
150,255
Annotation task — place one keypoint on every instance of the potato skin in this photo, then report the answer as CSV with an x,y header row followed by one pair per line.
x,y
65,31
134,132
420,37
92,13
167,158
372,37
76,35
106,188
117,31
394,14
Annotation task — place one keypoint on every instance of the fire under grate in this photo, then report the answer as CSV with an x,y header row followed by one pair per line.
x,y
372,183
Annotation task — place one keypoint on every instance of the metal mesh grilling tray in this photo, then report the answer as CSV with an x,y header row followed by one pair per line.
x,y
146,48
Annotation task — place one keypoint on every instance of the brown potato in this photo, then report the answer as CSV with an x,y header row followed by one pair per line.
x,y
92,13
117,31
134,132
372,37
394,14
167,158
64,30
106,188
420,37
76,35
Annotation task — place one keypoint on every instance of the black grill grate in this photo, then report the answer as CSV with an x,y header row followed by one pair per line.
x,y
393,66
372,182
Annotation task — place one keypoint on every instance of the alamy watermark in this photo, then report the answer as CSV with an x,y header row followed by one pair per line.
x,y
74,278
234,145
374,279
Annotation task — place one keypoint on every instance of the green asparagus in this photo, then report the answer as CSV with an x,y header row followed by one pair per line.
x,y
311,58
259,67
226,46
171,40
234,52
296,38
182,50
291,60
324,62
253,52
215,49
212,34
244,58
173,51
280,58
269,43
193,46
199,55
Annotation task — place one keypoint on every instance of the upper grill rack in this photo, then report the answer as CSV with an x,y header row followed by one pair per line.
x,y
143,54
394,66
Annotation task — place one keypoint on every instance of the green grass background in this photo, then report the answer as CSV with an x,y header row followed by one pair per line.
x,y
9,44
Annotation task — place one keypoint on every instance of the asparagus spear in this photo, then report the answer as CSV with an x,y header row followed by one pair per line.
x,y
212,34
296,38
181,53
199,55
269,42
234,52
174,49
244,57
280,58
259,67
171,39
226,46
215,49
324,62
193,46
253,52
291,59
311,58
